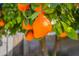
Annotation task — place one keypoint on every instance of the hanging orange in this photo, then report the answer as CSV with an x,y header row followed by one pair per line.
x,y
63,35
23,7
29,36
26,27
38,9
41,26
2,23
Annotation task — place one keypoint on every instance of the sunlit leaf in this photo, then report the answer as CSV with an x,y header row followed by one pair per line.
x,y
33,16
72,33
18,19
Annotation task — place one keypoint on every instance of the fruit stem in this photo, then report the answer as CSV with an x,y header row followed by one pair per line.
x,y
43,47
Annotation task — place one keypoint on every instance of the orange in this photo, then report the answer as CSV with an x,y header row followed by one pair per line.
x,y
38,9
2,23
63,35
41,26
26,27
23,7
29,36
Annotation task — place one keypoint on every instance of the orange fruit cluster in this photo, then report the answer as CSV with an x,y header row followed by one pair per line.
x,y
29,35
2,23
23,7
40,27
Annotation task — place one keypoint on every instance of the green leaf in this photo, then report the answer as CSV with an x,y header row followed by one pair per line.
x,y
54,5
33,17
7,26
13,21
72,33
49,11
18,19
12,5
13,32
26,21
70,6
65,26
57,28
65,19
31,22
11,24
5,18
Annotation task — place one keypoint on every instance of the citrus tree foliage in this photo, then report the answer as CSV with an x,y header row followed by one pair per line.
x,y
63,17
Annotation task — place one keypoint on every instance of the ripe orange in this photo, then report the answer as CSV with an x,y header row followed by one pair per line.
x,y
2,23
63,35
38,9
26,27
41,26
23,7
29,36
